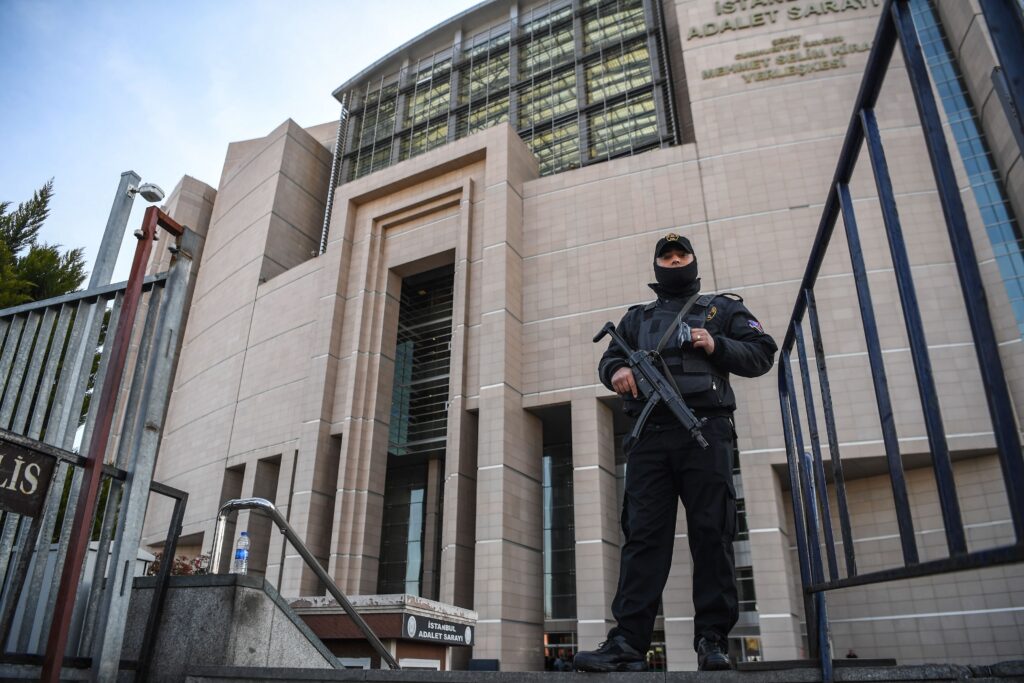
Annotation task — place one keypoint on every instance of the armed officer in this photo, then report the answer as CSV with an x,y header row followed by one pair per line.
x,y
700,347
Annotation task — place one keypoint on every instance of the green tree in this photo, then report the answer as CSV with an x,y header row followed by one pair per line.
x,y
31,270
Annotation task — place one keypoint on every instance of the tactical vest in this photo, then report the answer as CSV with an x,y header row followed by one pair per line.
x,y
699,381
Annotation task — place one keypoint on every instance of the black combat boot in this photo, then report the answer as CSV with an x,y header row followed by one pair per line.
x,y
614,654
712,655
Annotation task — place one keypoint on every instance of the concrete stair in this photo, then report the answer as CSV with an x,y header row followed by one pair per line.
x,y
924,673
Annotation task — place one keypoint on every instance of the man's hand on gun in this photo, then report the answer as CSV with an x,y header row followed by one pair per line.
x,y
623,382
653,385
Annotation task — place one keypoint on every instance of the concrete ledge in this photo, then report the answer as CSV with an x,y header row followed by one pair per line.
x,y
930,673
221,621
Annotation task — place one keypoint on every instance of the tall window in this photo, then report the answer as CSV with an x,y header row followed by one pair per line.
x,y
559,534
402,530
579,87
411,525
745,587
742,530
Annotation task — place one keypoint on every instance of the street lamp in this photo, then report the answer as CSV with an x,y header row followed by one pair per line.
x,y
110,245
151,192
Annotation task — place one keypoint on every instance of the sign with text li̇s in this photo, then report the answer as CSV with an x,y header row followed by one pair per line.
x,y
24,478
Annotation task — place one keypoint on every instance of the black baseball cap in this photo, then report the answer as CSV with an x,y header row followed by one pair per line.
x,y
672,240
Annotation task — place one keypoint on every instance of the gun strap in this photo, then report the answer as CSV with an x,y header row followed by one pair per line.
x,y
682,312
668,333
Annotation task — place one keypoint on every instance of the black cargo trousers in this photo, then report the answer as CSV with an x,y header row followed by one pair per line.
x,y
667,465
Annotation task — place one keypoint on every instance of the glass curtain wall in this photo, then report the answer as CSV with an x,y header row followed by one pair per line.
x,y
582,81
410,534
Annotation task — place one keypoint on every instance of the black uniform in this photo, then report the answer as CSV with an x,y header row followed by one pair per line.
x,y
666,463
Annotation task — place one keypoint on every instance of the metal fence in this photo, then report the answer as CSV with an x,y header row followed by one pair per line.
x,y
816,544
68,366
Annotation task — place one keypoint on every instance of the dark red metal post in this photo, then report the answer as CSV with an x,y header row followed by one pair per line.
x,y
92,470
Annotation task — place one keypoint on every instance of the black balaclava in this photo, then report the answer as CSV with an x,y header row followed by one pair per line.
x,y
676,282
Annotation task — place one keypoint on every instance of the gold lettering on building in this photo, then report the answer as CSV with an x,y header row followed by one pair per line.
x,y
738,15
789,56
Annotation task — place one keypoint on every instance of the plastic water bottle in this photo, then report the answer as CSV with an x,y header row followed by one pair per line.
x,y
240,565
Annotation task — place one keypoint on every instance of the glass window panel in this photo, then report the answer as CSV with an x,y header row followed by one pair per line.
x,y
402,529
482,43
427,101
423,139
547,99
367,161
616,21
484,75
543,19
556,148
545,51
378,118
618,73
439,68
414,552
623,127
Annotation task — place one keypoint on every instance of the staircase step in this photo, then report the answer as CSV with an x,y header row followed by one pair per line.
x,y
919,673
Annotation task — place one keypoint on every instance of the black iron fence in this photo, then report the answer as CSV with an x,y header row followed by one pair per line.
x,y
816,544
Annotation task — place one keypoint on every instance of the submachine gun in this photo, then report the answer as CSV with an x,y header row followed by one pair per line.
x,y
655,389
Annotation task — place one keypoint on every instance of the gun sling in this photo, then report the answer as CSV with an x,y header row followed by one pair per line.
x,y
661,344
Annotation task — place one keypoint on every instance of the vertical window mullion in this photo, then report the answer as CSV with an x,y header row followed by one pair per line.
x,y
581,81
656,68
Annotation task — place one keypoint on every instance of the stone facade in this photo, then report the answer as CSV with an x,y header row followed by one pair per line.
x,y
284,385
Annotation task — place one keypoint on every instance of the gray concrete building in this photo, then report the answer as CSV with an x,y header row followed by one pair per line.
x,y
413,381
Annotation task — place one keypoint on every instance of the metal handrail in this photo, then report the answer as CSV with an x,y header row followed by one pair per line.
x,y
70,297
267,508
816,546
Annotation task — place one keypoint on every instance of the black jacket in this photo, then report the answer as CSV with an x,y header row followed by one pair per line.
x,y
742,347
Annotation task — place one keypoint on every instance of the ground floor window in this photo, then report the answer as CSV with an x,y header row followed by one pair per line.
x,y
745,649
559,649
420,664
354,662
657,655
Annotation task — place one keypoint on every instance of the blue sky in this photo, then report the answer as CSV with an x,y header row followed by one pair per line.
x,y
91,89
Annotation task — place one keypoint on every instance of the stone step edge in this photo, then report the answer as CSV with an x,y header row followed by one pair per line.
x,y
907,673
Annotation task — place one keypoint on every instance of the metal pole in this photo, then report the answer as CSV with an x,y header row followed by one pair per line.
x,y
156,605
117,221
266,507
